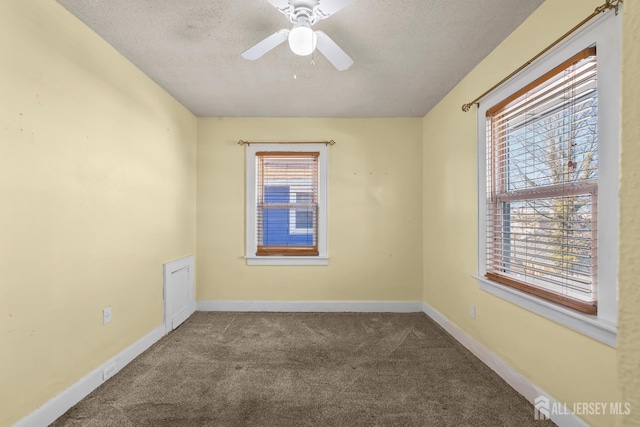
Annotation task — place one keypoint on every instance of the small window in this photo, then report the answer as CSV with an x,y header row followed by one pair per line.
x,y
286,204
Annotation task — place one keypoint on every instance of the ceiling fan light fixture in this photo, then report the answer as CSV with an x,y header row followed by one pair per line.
x,y
302,39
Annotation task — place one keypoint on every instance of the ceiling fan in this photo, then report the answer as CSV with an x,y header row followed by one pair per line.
x,y
302,39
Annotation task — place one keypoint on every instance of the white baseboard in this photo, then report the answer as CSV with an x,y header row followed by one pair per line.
x,y
54,408
312,306
515,379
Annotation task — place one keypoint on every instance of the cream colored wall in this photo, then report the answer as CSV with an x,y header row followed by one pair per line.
x,y
375,211
568,365
97,182
97,175
629,291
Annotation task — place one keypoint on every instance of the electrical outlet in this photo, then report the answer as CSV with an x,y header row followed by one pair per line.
x,y
109,371
472,311
106,315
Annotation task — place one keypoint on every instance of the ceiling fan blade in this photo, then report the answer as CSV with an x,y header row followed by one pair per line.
x,y
332,51
329,7
266,45
279,4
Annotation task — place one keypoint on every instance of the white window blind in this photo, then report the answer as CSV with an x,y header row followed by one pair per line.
x,y
287,203
542,183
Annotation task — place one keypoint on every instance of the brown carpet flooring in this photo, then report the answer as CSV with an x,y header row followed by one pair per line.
x,y
305,369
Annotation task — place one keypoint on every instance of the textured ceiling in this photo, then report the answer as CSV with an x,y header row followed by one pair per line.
x,y
407,54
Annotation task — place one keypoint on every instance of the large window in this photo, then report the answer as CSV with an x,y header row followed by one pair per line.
x,y
286,204
542,152
548,184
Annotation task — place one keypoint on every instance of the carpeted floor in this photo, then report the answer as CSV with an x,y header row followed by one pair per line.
x,y
305,369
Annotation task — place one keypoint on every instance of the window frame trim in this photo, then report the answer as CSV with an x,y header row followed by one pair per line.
x,y
605,33
251,244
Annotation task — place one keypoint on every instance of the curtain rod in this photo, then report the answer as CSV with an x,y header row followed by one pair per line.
x,y
331,142
608,5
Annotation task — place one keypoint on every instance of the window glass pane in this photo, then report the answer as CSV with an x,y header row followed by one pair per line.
x,y
303,212
549,242
275,221
304,219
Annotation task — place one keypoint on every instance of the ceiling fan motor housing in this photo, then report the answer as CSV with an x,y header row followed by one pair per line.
x,y
306,9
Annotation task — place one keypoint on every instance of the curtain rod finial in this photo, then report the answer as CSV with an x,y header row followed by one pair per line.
x,y
467,107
